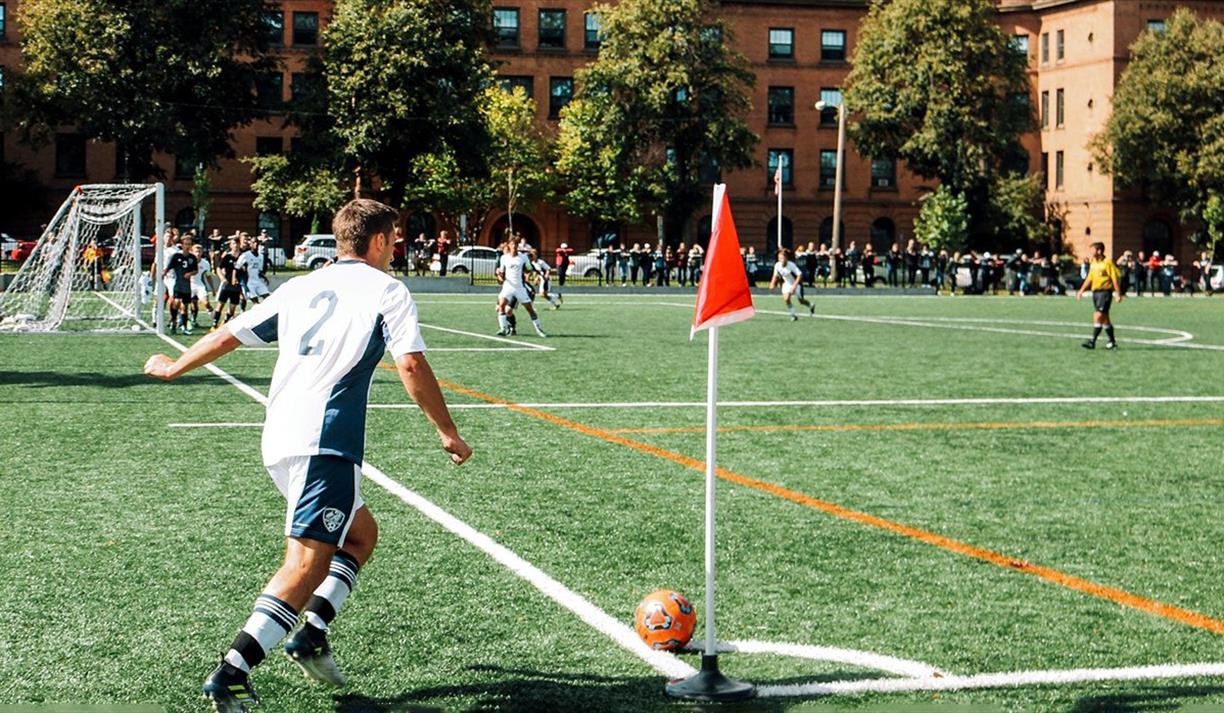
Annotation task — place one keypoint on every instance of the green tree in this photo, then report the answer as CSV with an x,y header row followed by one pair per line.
x,y
150,75
404,78
943,221
936,84
1166,133
296,188
519,170
657,116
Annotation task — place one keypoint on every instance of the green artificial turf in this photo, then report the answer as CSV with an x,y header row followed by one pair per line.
x,y
134,550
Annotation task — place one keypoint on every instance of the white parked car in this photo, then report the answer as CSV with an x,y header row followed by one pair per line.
x,y
476,259
275,256
586,264
315,251
7,244
1217,278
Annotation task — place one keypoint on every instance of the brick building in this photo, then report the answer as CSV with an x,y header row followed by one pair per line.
x,y
798,50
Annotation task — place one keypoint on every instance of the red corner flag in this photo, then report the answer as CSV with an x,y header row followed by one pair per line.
x,y
723,296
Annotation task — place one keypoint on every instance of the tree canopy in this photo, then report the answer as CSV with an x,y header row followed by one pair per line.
x,y
1166,133
151,75
937,84
657,116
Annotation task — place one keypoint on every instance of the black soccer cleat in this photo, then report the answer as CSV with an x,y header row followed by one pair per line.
x,y
229,689
1089,344
308,648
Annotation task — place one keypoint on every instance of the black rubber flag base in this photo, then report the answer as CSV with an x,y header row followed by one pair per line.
x,y
709,684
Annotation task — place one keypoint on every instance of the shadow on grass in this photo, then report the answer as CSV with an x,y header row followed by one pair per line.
x,y
1155,698
525,690
46,379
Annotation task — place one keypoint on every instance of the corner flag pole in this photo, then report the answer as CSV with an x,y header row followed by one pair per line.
x,y
723,298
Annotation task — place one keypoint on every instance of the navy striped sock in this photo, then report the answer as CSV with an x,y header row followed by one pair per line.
x,y
269,623
325,604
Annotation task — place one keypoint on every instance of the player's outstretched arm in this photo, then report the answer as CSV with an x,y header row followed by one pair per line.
x,y
422,386
209,349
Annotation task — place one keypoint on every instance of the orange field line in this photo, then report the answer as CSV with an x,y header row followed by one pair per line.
x,y
953,426
1079,584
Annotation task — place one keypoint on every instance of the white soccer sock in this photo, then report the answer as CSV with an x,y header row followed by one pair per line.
x,y
503,323
325,604
536,323
271,621
791,308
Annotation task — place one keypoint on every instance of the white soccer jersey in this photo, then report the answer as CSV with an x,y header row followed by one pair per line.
x,y
542,267
197,280
512,267
332,327
789,273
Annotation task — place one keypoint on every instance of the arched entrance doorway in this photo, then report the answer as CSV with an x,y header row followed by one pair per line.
x,y
771,235
883,233
702,237
826,233
1157,237
418,223
524,226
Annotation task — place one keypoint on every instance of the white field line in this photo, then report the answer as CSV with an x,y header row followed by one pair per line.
x,y
601,621
854,657
431,350
833,402
223,424
490,337
993,680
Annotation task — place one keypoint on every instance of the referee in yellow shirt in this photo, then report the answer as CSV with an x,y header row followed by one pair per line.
x,y
1106,283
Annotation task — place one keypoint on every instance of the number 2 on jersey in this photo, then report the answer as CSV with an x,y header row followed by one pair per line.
x,y
306,348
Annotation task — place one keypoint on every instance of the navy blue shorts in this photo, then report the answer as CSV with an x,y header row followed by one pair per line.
x,y
323,495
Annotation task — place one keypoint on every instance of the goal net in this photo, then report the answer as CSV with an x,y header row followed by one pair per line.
x,y
84,273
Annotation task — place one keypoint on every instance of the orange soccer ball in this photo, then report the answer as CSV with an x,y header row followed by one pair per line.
x,y
665,620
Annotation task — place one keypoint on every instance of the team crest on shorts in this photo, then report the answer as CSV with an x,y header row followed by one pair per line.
x,y
332,519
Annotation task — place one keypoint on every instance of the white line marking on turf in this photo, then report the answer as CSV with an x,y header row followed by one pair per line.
x,y
490,337
835,402
993,680
597,618
854,657
224,424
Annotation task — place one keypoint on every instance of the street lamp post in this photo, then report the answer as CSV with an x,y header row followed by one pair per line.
x,y
837,188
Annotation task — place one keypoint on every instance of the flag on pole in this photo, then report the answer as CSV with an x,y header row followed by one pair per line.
x,y
722,296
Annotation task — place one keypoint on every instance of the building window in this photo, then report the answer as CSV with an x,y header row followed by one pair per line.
x,y
833,45
552,29
1059,108
1153,25
1045,110
1061,46
69,155
1045,48
787,157
4,20
1020,43
560,91
828,168
592,31
1058,171
271,223
506,26
883,173
270,89
1,79
303,85
781,106
274,24
305,29
781,43
1045,170
269,146
525,82
832,98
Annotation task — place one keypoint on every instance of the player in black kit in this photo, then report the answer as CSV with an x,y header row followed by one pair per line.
x,y
231,290
182,265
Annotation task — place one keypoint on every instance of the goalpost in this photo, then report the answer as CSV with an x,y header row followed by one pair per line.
x,y
85,271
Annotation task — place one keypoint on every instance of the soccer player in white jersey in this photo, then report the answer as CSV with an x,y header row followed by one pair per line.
x,y
200,290
792,283
253,262
544,276
510,269
333,327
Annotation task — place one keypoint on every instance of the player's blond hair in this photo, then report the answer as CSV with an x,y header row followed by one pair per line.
x,y
359,221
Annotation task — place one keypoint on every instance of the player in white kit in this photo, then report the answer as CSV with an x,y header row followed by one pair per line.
x,y
253,262
332,328
792,283
510,269
200,290
544,276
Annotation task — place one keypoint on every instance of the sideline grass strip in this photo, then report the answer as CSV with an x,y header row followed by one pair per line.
x,y
969,426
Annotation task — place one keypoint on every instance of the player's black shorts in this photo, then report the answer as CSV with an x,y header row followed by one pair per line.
x,y
1101,300
230,294
182,291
